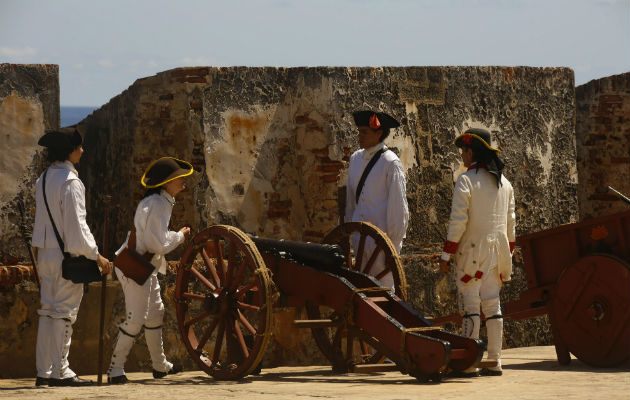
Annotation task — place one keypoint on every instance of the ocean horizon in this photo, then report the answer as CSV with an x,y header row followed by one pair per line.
x,y
71,115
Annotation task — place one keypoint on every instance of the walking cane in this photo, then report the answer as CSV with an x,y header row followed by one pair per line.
x,y
106,200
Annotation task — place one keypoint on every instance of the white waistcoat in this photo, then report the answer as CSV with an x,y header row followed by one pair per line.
x,y
66,198
482,222
151,220
383,200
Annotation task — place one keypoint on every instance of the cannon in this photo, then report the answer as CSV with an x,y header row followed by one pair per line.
x,y
579,275
228,283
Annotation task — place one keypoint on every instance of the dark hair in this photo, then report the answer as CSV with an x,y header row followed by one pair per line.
x,y
493,163
152,191
384,135
58,153
482,154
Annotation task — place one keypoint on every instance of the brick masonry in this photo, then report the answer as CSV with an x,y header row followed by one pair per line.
x,y
602,133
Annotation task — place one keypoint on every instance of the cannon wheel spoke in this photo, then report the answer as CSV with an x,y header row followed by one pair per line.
x,y
224,312
196,319
342,348
210,267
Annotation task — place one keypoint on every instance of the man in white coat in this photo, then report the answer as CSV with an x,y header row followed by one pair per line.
x,y
60,298
480,240
380,197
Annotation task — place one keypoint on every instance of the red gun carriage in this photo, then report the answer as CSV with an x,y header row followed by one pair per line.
x,y
225,294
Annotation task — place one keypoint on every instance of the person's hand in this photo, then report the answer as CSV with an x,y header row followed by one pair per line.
x,y
445,266
186,231
105,265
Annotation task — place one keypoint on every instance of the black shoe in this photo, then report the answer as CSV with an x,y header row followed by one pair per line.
x,y
176,369
39,381
117,380
74,381
462,374
490,372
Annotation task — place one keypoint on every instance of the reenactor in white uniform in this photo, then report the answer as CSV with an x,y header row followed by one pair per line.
x,y
382,199
480,240
60,298
164,179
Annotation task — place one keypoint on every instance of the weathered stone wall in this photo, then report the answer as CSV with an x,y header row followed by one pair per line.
x,y
602,133
277,142
270,147
29,104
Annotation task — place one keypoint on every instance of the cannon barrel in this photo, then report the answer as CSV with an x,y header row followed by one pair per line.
x,y
319,256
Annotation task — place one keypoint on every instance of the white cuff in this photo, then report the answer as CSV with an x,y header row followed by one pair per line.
x,y
446,256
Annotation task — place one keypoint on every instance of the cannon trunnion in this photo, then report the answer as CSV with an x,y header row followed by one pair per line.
x,y
225,295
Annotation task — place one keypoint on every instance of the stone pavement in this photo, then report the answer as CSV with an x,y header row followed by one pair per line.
x,y
529,373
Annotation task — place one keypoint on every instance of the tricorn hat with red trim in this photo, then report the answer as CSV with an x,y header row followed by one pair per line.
x,y
473,137
375,120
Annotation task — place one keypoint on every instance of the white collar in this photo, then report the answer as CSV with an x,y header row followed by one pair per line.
x,y
66,164
168,197
369,152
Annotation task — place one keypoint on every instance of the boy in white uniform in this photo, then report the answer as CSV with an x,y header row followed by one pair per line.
x,y
60,298
480,240
382,199
164,179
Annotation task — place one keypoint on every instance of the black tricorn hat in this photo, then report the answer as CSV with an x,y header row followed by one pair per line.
x,y
375,120
67,138
475,137
164,170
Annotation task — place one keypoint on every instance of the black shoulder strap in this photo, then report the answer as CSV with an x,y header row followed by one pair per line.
x,y
366,172
61,246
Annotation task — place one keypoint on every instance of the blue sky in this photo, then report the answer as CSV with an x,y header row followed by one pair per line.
x,y
102,47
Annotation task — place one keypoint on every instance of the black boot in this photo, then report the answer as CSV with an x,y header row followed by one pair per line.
x,y
117,380
176,369
39,381
74,381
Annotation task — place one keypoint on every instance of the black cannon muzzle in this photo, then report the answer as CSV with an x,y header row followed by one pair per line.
x,y
324,257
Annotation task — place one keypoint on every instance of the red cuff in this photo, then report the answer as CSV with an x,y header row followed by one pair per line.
x,y
450,247
511,246
478,274
465,278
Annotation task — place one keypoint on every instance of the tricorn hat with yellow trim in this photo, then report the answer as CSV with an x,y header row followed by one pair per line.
x,y
473,137
164,170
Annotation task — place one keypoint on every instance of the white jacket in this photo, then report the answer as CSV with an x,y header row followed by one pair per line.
x,y
383,200
66,198
481,231
151,220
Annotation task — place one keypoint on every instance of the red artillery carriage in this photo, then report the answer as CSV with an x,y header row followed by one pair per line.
x,y
228,282
579,274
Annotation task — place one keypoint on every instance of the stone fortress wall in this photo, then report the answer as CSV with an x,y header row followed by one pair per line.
x,y
270,147
602,132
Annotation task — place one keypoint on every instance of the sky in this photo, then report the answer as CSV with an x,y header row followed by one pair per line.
x,y
102,47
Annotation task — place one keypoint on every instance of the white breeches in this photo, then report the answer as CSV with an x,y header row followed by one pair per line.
x,y
60,300
482,295
144,307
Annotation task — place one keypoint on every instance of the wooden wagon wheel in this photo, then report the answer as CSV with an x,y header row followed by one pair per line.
x,y
591,311
224,299
338,344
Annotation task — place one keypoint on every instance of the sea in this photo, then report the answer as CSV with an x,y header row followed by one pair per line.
x,y
70,115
